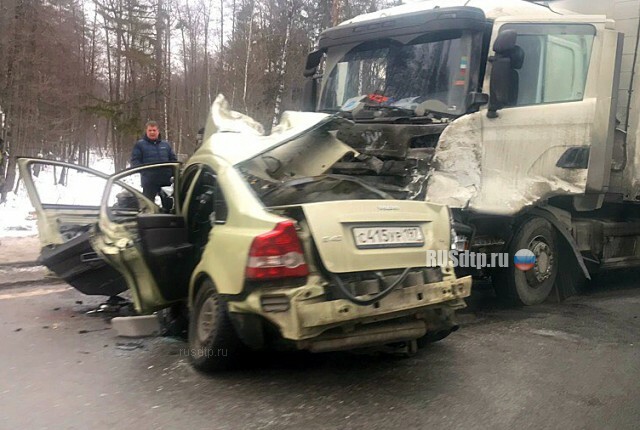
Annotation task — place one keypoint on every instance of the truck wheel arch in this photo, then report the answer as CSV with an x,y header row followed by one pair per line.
x,y
549,214
568,281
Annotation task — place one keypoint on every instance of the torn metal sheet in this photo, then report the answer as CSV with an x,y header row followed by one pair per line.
x,y
237,137
456,178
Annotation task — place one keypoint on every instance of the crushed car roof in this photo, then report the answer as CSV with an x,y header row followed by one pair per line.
x,y
236,137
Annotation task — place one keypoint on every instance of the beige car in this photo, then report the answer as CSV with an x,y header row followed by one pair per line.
x,y
265,249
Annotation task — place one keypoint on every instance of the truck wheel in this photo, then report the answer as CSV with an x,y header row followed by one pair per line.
x,y
533,286
213,342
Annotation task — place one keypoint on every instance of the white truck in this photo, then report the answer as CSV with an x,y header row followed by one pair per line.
x,y
520,116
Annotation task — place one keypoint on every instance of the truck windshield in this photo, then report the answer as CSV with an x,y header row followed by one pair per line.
x,y
431,74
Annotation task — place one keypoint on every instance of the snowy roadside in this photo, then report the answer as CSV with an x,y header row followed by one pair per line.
x,y
17,215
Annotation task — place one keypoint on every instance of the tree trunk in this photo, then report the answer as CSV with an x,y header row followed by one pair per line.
x,y
158,110
246,64
283,65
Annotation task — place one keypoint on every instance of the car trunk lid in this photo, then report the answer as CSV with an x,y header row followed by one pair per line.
x,y
364,235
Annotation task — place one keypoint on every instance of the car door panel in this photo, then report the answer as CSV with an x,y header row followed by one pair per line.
x,y
66,229
81,267
148,247
167,251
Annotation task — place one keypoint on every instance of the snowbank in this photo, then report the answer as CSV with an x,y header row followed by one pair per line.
x,y
17,216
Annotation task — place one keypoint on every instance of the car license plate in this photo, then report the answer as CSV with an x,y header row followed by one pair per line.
x,y
388,237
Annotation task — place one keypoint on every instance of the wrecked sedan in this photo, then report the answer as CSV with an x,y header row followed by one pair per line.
x,y
268,250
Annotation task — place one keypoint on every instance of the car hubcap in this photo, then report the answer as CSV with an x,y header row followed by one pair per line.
x,y
543,266
207,319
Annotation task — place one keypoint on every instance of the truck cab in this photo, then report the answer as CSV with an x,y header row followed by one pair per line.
x,y
503,110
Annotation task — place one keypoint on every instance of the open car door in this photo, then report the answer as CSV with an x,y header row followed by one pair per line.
x,y
66,220
145,242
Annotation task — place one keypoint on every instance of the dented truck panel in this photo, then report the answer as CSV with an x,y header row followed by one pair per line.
x,y
507,164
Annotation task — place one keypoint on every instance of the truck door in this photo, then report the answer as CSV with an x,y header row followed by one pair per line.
x,y
556,135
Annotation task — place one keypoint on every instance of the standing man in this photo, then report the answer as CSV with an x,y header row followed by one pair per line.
x,y
151,149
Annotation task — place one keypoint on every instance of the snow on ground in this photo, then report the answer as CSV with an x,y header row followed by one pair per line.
x,y
17,216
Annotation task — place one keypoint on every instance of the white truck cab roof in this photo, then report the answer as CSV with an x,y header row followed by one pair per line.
x,y
491,8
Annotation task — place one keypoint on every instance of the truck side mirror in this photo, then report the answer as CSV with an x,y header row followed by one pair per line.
x,y
504,78
505,41
313,61
475,101
310,95
310,91
499,88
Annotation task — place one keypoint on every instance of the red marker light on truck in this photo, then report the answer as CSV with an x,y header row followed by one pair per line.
x,y
277,254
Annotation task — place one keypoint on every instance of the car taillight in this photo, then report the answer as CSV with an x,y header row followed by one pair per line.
x,y
276,254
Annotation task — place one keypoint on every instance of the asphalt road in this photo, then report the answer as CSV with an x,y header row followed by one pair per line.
x,y
573,365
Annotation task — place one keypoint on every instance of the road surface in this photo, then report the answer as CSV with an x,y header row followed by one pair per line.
x,y
573,365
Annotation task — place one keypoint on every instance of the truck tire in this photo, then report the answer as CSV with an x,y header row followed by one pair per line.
x,y
531,287
213,342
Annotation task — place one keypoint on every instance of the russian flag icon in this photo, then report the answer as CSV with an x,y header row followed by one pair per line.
x,y
524,260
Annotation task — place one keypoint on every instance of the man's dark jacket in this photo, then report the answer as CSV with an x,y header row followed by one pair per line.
x,y
147,151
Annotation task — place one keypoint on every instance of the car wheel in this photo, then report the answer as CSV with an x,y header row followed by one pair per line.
x,y
213,342
530,287
433,337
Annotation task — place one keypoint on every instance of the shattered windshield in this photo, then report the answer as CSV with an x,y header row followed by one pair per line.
x,y
431,74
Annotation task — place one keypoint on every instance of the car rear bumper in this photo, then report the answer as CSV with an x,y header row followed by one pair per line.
x,y
303,313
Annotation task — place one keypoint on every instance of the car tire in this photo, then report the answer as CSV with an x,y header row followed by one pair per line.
x,y
434,336
525,288
213,342
174,321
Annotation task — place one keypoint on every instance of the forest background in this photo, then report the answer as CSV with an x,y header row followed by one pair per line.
x,y
81,77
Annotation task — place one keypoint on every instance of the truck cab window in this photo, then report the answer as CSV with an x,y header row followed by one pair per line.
x,y
556,62
431,68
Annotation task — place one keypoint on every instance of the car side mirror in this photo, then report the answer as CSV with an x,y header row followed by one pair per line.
x,y
502,80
